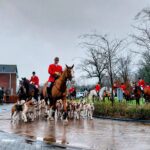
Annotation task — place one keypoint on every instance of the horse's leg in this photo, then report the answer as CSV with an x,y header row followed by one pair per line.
x,y
46,104
146,99
53,109
51,113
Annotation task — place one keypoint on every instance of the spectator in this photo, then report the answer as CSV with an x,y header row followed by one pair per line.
x,y
7,93
1,95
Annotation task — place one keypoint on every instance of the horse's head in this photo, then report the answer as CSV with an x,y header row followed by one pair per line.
x,y
22,89
25,82
69,72
28,87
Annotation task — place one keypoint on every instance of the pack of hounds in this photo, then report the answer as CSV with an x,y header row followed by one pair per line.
x,y
32,110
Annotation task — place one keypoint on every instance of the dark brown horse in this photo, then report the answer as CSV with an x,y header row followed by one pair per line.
x,y
27,91
59,91
137,93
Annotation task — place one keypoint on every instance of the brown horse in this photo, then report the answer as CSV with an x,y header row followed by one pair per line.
x,y
59,91
128,93
147,94
137,93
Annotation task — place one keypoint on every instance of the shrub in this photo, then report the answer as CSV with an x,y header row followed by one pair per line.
x,y
122,110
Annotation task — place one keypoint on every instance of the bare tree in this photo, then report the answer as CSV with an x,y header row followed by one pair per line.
x,y
142,39
142,36
144,70
93,65
124,68
106,51
110,49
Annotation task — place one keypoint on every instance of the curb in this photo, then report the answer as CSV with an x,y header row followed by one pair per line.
x,y
123,119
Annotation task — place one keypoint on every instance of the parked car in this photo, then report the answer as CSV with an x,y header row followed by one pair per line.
x,y
80,95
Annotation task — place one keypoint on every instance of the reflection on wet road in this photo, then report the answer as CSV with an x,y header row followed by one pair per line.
x,y
92,134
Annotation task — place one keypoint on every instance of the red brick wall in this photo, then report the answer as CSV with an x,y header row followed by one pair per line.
x,y
4,81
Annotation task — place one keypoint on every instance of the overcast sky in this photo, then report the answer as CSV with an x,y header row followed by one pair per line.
x,y
33,32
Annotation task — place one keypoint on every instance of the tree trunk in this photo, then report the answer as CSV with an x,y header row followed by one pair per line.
x,y
99,80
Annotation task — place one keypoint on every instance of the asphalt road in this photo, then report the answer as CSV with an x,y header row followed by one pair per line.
x,y
94,134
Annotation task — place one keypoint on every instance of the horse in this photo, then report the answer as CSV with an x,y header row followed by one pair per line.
x,y
92,95
59,91
128,96
147,94
104,93
128,93
27,91
137,93
101,93
73,95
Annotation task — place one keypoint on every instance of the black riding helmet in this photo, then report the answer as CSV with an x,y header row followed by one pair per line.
x,y
33,72
56,59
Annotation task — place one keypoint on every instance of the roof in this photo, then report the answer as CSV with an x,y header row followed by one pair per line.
x,y
8,69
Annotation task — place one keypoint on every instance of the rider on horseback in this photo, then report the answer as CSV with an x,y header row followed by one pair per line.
x,y
35,81
55,71
123,87
97,88
141,84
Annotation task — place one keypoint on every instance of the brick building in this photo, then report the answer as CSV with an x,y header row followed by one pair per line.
x,y
8,78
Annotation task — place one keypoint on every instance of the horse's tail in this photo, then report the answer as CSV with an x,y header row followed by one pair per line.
x,y
44,90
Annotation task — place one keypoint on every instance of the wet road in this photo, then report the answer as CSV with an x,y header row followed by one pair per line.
x,y
91,134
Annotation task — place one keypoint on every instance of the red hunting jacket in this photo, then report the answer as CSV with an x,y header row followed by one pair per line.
x,y
97,88
123,87
71,90
52,69
141,83
35,80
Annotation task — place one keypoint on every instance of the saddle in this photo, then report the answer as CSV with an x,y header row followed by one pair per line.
x,y
49,89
